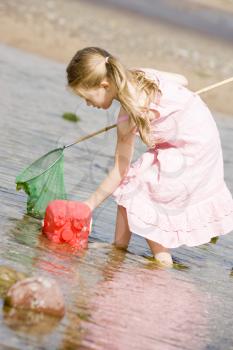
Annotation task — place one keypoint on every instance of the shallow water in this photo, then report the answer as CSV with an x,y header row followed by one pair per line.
x,y
114,299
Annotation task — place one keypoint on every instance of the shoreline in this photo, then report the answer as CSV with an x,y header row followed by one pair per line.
x,y
56,30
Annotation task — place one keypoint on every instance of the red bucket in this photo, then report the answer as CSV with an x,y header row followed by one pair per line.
x,y
68,221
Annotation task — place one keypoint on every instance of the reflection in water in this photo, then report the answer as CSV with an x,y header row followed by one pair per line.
x,y
140,308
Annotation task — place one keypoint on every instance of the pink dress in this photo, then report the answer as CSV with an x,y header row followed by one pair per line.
x,y
175,193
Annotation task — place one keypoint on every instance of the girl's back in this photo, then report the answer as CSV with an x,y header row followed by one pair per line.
x,y
180,115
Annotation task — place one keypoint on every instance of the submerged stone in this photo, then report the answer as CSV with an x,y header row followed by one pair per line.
x,y
29,321
37,293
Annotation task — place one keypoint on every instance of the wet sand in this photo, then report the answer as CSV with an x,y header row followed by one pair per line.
x,y
57,29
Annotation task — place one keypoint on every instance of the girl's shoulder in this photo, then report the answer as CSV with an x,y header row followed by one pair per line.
x,y
159,76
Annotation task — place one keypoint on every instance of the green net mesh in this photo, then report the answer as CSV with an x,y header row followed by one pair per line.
x,y
43,181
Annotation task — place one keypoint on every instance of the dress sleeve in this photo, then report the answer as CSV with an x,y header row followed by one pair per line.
x,y
124,117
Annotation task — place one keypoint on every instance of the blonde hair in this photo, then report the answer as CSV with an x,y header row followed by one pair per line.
x,y
89,67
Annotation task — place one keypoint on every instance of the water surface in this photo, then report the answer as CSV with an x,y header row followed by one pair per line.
x,y
114,299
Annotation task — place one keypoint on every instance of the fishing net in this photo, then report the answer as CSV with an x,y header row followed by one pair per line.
x,y
43,181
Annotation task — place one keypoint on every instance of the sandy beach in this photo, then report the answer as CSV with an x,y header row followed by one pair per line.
x,y
57,29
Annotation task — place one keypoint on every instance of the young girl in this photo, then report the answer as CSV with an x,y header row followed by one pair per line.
x,y
175,193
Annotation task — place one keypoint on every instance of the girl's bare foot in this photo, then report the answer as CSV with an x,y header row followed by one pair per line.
x,y
164,258
160,253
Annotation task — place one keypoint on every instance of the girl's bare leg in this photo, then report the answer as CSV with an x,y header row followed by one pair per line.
x,y
122,231
160,252
156,247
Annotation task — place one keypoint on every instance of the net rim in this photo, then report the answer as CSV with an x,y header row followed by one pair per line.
x,y
37,160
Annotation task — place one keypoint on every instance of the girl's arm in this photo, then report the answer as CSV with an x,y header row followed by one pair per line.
x,y
123,155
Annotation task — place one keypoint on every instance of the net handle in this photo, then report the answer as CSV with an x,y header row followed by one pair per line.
x,y
91,135
210,87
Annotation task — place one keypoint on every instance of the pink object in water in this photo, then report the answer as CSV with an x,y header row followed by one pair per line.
x,y
68,221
